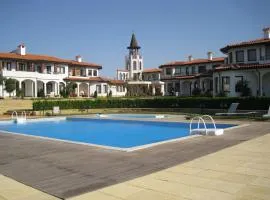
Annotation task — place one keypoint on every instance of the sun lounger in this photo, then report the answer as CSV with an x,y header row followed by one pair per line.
x,y
56,110
268,114
232,111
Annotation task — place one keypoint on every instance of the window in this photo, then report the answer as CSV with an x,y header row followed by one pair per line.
x,y
73,72
168,71
98,89
260,52
177,87
49,69
94,72
178,70
231,58
90,72
62,70
225,83
238,79
82,72
252,55
29,67
187,71
216,84
267,52
202,69
140,65
134,65
22,67
193,70
105,88
9,66
239,56
38,67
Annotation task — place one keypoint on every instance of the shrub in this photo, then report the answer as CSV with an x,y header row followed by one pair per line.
x,y
250,103
196,91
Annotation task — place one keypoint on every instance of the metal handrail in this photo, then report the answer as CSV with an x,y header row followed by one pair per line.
x,y
12,115
198,125
211,118
23,115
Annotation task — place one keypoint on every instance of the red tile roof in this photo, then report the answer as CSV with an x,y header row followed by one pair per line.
x,y
245,43
226,67
195,61
45,58
117,82
153,70
122,70
74,78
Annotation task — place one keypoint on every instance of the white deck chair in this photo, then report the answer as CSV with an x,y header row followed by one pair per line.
x,y
268,114
231,110
56,110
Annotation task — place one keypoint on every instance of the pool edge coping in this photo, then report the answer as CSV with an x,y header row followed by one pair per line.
x,y
130,149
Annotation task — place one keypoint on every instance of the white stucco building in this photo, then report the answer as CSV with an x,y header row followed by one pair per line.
x,y
183,77
36,73
249,61
136,78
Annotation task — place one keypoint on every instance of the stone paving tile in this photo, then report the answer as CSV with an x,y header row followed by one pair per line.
x,y
13,190
215,176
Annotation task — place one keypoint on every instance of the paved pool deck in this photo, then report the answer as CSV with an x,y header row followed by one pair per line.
x,y
188,169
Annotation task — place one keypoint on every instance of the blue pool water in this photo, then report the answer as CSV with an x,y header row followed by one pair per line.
x,y
114,133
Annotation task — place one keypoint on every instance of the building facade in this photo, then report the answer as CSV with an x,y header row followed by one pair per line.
x,y
137,79
39,73
185,78
247,62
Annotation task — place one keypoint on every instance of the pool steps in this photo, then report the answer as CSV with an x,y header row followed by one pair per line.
x,y
204,131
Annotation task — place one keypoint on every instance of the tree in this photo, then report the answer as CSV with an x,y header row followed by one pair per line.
x,y
242,87
2,82
10,85
68,90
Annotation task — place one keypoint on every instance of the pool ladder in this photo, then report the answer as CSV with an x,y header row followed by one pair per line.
x,y
18,119
204,130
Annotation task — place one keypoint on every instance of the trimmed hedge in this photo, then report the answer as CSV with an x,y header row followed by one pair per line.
x,y
250,103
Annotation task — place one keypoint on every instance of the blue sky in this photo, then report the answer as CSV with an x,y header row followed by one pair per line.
x,y
100,30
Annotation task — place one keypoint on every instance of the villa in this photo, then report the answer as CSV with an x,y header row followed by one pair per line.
x,y
182,78
36,73
247,61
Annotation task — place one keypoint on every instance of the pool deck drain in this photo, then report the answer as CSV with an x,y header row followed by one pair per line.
x,y
67,170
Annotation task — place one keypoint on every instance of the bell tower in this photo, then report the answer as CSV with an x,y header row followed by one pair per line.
x,y
134,60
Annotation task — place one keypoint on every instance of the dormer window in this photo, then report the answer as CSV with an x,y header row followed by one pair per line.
x,y
94,72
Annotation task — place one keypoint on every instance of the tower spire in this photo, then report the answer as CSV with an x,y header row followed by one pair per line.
x,y
133,43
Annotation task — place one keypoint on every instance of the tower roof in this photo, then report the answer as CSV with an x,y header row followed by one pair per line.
x,y
133,43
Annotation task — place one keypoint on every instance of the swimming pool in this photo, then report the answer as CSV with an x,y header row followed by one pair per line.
x,y
116,134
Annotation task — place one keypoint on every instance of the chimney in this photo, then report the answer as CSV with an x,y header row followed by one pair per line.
x,y
78,58
210,55
190,58
21,50
266,32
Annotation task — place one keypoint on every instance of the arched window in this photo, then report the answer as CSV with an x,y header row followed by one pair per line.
x,y
121,76
140,65
134,65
